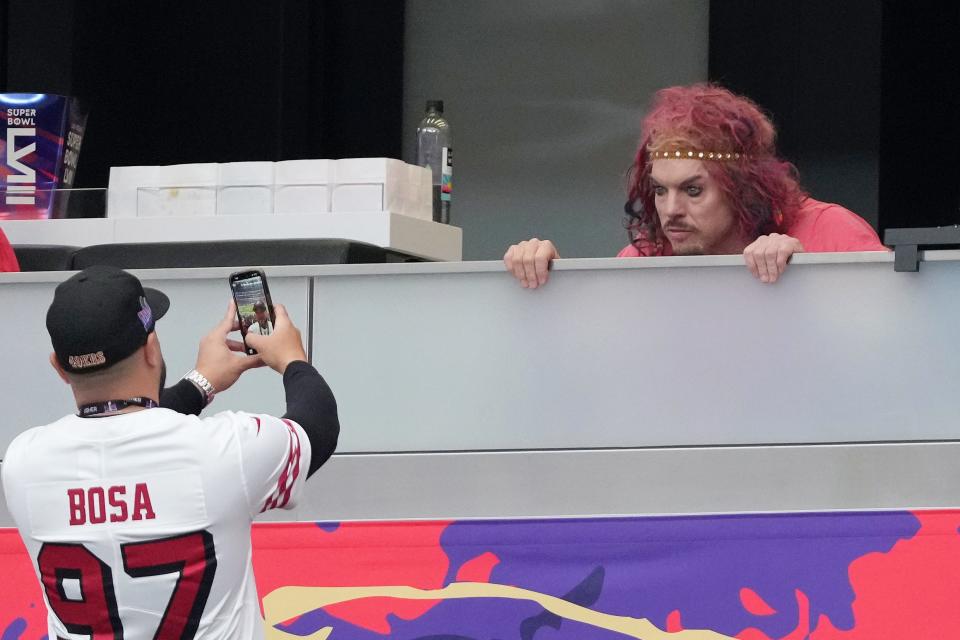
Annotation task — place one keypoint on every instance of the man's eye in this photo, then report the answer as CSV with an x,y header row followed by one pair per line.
x,y
659,191
694,191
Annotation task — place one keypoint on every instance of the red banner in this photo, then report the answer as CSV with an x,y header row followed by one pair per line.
x,y
822,576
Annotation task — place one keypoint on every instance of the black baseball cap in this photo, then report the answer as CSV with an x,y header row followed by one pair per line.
x,y
101,316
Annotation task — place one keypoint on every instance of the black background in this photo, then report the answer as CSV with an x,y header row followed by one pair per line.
x,y
215,81
869,77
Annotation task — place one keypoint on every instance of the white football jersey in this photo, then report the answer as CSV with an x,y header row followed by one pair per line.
x,y
138,524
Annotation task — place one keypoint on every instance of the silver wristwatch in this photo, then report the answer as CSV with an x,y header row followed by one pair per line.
x,y
201,383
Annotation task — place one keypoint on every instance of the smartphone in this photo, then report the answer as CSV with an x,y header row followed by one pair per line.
x,y
254,306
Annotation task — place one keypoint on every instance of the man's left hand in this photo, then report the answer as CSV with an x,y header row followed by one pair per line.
x,y
222,360
767,256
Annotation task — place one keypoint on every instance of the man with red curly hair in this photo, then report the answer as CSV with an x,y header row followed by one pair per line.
x,y
707,180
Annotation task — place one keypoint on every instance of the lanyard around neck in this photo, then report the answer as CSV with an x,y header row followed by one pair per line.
x,y
98,409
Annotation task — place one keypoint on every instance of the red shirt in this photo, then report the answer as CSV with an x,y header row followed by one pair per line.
x,y
819,226
8,260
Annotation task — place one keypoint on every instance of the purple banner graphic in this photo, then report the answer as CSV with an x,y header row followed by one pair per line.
x,y
823,576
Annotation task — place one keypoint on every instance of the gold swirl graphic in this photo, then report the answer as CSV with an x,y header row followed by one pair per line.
x,y
289,602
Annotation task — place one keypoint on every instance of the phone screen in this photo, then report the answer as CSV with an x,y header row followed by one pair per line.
x,y
254,306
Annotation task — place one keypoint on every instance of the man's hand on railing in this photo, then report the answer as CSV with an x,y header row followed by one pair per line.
x,y
529,261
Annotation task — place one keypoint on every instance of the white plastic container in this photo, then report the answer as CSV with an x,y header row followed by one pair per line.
x,y
418,195
302,186
369,184
180,190
122,189
245,188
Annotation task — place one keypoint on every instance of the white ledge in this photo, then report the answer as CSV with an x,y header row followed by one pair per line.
x,y
491,266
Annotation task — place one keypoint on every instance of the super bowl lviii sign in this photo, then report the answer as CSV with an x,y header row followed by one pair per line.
x,y
40,137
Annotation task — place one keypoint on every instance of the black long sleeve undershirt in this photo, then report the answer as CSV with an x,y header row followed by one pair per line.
x,y
310,403
183,397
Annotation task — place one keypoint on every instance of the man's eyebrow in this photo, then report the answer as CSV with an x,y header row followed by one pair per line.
x,y
691,180
683,184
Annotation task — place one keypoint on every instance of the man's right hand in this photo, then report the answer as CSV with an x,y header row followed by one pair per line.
x,y
529,261
283,346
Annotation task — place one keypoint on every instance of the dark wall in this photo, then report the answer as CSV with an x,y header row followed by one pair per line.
x,y
920,136
815,67
37,53
215,81
866,94
4,19
862,91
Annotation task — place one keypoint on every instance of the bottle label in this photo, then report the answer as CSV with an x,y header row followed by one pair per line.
x,y
446,176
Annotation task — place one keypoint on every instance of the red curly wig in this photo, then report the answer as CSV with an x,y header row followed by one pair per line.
x,y
761,188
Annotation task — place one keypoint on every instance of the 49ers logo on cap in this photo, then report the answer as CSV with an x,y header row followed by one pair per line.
x,y
87,360
145,314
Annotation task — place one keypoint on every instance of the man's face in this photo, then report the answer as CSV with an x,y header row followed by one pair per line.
x,y
693,211
261,315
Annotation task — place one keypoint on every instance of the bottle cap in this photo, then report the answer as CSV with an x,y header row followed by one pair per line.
x,y
435,104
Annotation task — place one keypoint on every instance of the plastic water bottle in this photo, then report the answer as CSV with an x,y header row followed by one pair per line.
x,y
435,150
